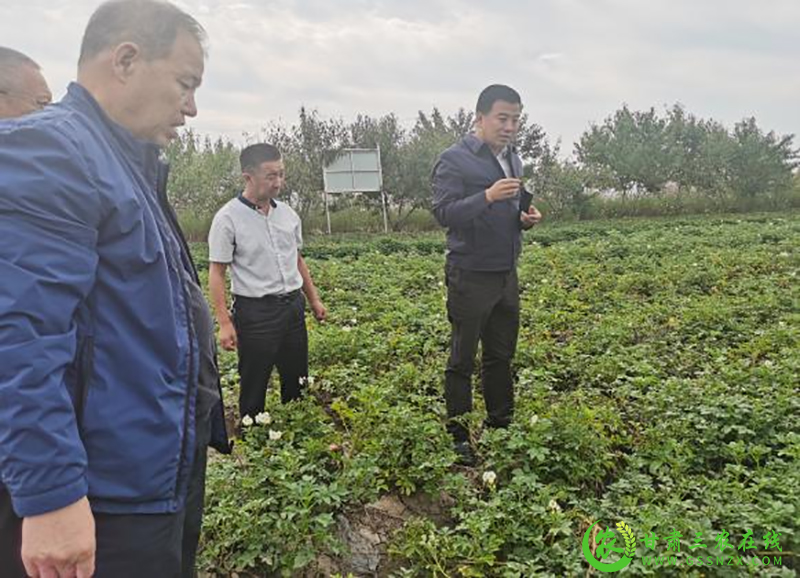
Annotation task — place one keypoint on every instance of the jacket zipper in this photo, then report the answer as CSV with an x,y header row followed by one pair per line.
x,y
162,173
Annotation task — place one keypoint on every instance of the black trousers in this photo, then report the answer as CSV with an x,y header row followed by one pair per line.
x,y
129,546
270,331
481,306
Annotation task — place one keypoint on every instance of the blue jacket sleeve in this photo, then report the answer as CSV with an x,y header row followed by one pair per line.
x,y
452,206
49,216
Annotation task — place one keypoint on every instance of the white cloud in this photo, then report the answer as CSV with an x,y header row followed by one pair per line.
x,y
548,56
573,61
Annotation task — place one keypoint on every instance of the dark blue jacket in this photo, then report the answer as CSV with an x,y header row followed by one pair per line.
x,y
480,236
98,354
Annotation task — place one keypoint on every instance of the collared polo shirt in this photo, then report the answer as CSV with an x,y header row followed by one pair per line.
x,y
261,249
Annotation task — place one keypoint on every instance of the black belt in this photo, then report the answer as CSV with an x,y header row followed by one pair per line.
x,y
275,298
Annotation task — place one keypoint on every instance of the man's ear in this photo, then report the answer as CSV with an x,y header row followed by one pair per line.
x,y
125,58
477,123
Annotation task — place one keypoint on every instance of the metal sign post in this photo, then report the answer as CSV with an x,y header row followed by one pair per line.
x,y
385,215
327,212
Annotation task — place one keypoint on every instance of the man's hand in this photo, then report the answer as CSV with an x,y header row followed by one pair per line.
x,y
319,310
227,336
502,190
60,543
531,218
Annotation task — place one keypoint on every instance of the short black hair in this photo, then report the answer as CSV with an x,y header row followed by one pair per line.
x,y
254,155
152,24
10,62
492,94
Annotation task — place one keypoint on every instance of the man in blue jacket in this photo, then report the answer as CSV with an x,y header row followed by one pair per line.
x,y
478,196
108,381
23,90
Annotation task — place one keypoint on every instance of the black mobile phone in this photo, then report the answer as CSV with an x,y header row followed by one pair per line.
x,y
525,199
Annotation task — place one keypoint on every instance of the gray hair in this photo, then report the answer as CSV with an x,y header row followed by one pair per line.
x,y
10,62
152,24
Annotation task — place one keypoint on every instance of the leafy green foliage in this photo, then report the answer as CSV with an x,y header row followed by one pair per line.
x,y
657,379
270,506
640,151
204,174
652,165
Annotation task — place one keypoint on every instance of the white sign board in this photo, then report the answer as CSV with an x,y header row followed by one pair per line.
x,y
354,171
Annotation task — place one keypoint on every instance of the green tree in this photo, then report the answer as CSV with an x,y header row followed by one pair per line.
x,y
384,132
430,135
631,146
563,185
307,146
642,152
761,163
204,174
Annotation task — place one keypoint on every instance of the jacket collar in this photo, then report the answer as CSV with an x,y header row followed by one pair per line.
x,y
475,144
144,154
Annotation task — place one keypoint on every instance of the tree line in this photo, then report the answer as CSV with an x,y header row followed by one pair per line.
x,y
632,156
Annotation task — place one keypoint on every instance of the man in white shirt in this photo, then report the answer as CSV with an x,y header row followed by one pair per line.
x,y
260,239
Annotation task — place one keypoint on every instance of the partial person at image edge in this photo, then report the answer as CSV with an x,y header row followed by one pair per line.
x,y
109,392
23,89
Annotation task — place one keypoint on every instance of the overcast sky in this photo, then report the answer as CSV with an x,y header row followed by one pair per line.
x,y
573,61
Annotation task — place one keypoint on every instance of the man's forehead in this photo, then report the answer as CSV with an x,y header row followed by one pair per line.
x,y
505,107
269,166
188,54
